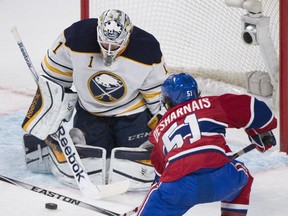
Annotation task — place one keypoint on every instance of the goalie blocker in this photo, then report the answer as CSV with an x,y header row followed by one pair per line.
x,y
125,163
51,105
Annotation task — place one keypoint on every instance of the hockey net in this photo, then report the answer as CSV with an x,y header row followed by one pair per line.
x,y
203,38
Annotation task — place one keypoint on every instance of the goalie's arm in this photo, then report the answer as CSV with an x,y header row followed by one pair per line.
x,y
57,63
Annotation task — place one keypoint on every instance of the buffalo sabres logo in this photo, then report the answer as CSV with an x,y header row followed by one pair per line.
x,y
106,87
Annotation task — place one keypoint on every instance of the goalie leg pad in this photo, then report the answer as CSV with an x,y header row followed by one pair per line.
x,y
133,164
46,157
36,154
50,106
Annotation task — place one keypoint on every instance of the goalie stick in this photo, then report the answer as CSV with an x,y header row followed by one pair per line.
x,y
84,183
64,198
24,53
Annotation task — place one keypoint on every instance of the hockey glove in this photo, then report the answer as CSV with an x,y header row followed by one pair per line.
x,y
147,145
77,136
263,141
51,105
156,118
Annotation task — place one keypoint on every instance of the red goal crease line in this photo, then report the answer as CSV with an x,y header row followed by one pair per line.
x,y
26,93
14,100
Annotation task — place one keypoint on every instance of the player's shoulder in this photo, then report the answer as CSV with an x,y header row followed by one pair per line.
x,y
143,47
81,36
231,96
232,101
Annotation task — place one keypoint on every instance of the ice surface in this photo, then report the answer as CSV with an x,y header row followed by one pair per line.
x,y
39,22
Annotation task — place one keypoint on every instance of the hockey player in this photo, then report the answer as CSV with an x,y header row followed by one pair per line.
x,y
191,157
117,70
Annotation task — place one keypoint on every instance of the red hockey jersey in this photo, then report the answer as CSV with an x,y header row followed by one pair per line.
x,y
191,136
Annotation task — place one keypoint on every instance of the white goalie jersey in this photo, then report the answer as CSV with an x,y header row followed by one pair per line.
x,y
130,85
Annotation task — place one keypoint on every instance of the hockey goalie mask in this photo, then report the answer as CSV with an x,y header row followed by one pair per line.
x,y
178,88
113,32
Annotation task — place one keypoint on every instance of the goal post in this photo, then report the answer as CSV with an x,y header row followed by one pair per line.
x,y
84,9
205,38
283,76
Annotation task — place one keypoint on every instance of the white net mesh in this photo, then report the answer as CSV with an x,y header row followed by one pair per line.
x,y
202,37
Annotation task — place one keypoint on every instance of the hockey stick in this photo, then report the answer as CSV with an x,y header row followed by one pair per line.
x,y
24,53
244,150
64,198
80,174
84,183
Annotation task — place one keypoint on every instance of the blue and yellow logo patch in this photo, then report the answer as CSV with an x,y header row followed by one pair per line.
x,y
106,87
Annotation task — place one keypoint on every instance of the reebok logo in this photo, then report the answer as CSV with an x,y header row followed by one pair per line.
x,y
70,154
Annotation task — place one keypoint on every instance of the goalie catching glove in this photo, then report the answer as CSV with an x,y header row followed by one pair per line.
x,y
157,117
51,105
263,141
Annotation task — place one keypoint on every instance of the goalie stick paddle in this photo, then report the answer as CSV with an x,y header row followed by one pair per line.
x,y
80,174
82,179
64,198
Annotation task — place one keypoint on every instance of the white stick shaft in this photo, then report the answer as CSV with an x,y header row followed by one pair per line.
x,y
24,53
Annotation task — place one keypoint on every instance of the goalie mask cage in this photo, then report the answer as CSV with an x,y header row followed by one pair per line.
x,y
204,38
